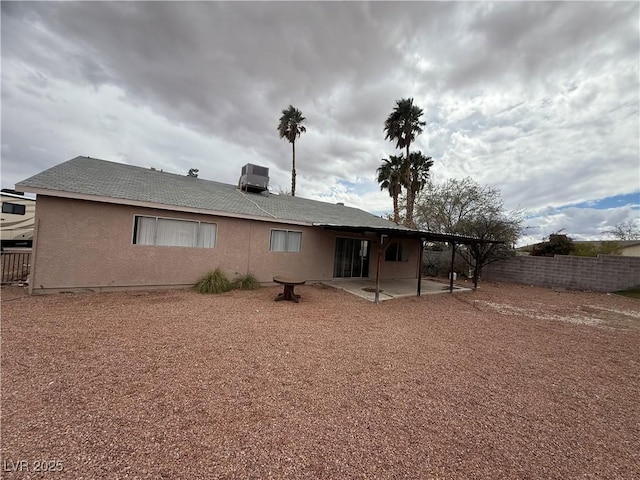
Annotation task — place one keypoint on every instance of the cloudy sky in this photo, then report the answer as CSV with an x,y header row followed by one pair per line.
x,y
538,99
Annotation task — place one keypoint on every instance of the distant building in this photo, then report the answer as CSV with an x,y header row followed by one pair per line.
x,y
628,248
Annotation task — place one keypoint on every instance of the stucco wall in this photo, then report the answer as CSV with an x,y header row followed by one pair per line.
x,y
82,244
606,273
631,251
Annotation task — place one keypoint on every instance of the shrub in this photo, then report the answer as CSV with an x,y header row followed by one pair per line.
x,y
585,249
558,244
214,282
246,282
633,293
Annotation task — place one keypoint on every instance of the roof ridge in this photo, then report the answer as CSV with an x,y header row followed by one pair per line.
x,y
150,169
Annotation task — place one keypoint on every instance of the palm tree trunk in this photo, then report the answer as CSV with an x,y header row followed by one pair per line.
x,y
410,193
293,170
396,211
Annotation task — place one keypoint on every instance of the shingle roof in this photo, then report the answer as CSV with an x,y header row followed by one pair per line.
x,y
100,178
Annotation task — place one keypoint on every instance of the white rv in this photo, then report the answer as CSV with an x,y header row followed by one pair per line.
x,y
18,220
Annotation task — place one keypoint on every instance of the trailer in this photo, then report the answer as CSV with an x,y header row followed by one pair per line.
x,y
18,219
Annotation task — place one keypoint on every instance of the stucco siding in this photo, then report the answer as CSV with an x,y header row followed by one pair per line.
x,y
83,244
406,268
631,251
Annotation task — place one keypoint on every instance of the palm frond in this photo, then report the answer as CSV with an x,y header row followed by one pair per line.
x,y
290,125
403,123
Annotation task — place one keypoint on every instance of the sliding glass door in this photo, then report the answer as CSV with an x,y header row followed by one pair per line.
x,y
352,258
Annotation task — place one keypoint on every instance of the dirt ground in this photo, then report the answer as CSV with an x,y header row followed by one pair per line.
x,y
505,382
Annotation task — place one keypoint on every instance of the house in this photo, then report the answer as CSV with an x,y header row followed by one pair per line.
x,y
102,225
626,248
630,248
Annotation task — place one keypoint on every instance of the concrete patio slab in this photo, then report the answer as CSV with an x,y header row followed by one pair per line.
x,y
390,288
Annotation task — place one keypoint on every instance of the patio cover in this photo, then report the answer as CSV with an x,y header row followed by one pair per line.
x,y
403,232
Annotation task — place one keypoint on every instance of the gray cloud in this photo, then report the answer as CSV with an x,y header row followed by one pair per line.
x,y
540,99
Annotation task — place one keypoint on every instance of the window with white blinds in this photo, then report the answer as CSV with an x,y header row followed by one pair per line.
x,y
173,232
285,241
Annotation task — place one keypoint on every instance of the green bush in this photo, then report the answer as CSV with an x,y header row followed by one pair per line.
x,y
214,282
633,293
595,249
585,250
558,244
246,282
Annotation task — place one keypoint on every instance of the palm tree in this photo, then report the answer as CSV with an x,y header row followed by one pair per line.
x,y
290,127
390,177
419,173
402,125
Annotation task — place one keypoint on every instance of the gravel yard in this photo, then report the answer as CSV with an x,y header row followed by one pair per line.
x,y
506,382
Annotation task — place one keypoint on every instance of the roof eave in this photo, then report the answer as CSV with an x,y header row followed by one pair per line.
x,y
399,232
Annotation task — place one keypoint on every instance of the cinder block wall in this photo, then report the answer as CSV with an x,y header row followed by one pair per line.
x,y
606,273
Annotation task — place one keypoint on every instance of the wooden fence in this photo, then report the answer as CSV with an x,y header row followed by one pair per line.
x,y
15,266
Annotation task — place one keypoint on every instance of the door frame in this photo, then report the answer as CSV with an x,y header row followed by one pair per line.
x,y
364,262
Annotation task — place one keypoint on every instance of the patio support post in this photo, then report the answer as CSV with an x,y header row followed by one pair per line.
x,y
453,257
476,247
380,250
421,246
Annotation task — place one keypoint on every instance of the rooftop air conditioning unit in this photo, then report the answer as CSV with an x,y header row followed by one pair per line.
x,y
254,178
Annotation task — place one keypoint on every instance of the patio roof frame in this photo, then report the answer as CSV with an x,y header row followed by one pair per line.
x,y
415,234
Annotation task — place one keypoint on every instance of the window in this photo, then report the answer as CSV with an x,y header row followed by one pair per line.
x,y
395,253
13,208
173,232
285,241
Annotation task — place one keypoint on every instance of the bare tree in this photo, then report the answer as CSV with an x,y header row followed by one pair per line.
x,y
464,207
625,231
